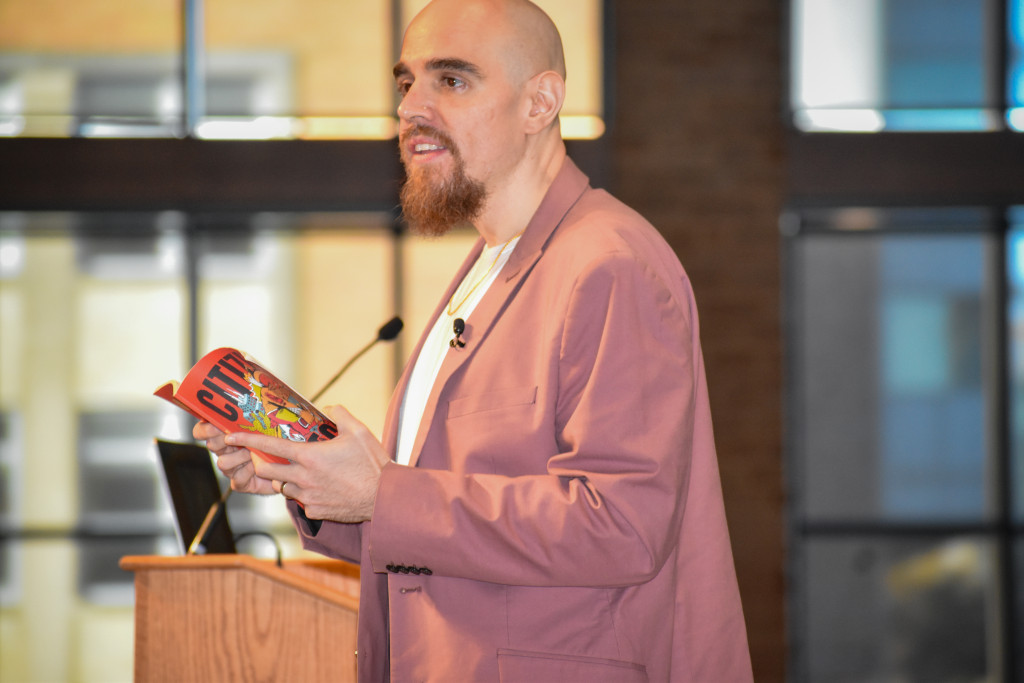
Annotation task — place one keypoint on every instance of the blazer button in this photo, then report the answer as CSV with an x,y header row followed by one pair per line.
x,y
403,569
392,568
425,571
415,570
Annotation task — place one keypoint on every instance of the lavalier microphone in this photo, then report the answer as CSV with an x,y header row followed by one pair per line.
x,y
458,327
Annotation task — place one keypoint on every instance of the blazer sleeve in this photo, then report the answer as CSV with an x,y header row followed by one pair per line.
x,y
606,509
332,539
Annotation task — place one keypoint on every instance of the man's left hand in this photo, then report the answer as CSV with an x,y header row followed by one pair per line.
x,y
334,480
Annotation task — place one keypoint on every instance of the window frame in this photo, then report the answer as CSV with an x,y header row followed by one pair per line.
x,y
904,170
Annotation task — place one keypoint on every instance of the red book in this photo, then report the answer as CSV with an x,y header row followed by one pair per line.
x,y
233,392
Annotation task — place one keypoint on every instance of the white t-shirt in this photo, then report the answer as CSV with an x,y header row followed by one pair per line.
x,y
428,364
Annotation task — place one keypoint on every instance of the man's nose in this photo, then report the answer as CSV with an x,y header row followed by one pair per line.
x,y
415,104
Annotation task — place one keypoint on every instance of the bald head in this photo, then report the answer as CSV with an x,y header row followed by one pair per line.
x,y
523,32
481,85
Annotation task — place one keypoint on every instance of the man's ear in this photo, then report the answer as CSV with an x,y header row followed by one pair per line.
x,y
547,92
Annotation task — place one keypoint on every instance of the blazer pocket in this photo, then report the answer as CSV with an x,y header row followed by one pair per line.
x,y
492,400
531,667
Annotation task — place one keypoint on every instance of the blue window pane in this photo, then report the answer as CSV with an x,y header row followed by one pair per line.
x,y
932,406
1015,325
893,404
1018,578
910,65
1015,72
1016,46
938,120
934,53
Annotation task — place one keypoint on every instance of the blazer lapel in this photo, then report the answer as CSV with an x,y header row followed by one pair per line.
x,y
565,191
390,434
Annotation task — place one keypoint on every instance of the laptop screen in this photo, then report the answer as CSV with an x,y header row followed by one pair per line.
x,y
192,487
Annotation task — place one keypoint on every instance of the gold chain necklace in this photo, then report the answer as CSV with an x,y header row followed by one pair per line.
x,y
453,311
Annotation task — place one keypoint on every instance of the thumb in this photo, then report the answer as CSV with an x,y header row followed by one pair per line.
x,y
342,418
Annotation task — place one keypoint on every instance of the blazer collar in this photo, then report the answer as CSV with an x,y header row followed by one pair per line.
x,y
564,192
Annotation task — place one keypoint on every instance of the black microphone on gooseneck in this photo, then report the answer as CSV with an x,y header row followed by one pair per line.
x,y
387,332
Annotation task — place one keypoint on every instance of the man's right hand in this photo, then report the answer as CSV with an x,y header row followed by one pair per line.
x,y
234,462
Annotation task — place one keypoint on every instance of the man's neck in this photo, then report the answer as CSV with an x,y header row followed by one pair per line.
x,y
508,209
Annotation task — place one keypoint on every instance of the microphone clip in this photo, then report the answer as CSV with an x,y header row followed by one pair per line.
x,y
458,327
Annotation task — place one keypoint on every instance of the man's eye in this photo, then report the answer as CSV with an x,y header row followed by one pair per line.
x,y
452,82
403,87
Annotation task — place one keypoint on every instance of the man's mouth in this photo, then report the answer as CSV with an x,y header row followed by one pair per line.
x,y
425,143
426,151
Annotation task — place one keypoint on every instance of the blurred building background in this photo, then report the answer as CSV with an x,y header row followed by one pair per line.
x,y
843,180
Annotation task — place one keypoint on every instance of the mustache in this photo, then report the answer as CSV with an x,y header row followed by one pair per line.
x,y
430,132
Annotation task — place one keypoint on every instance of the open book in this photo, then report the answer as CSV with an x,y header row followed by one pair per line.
x,y
233,392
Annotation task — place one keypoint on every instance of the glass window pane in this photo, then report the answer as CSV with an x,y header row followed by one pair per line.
x,y
891,65
72,617
302,293
1015,327
892,392
9,488
118,488
899,610
1015,72
89,307
347,280
277,69
93,316
1018,617
97,68
313,64
130,304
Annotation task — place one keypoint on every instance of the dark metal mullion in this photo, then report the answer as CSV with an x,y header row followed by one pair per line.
x,y
793,474
785,104
608,55
191,234
896,529
1002,449
397,32
192,71
997,52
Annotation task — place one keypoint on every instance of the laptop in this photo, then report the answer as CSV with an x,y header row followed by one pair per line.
x,y
190,481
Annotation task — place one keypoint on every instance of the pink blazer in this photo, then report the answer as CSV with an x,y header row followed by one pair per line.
x,y
563,517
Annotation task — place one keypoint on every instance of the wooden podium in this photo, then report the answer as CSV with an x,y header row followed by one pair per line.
x,y
237,618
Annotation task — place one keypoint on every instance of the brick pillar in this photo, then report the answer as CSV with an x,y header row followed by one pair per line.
x,y
697,139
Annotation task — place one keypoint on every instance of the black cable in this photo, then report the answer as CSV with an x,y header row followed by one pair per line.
x,y
277,546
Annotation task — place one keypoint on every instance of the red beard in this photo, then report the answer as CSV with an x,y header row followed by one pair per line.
x,y
433,205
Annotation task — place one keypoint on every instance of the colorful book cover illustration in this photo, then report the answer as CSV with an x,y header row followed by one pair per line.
x,y
233,392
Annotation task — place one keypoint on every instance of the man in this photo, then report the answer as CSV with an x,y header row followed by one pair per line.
x,y
546,503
